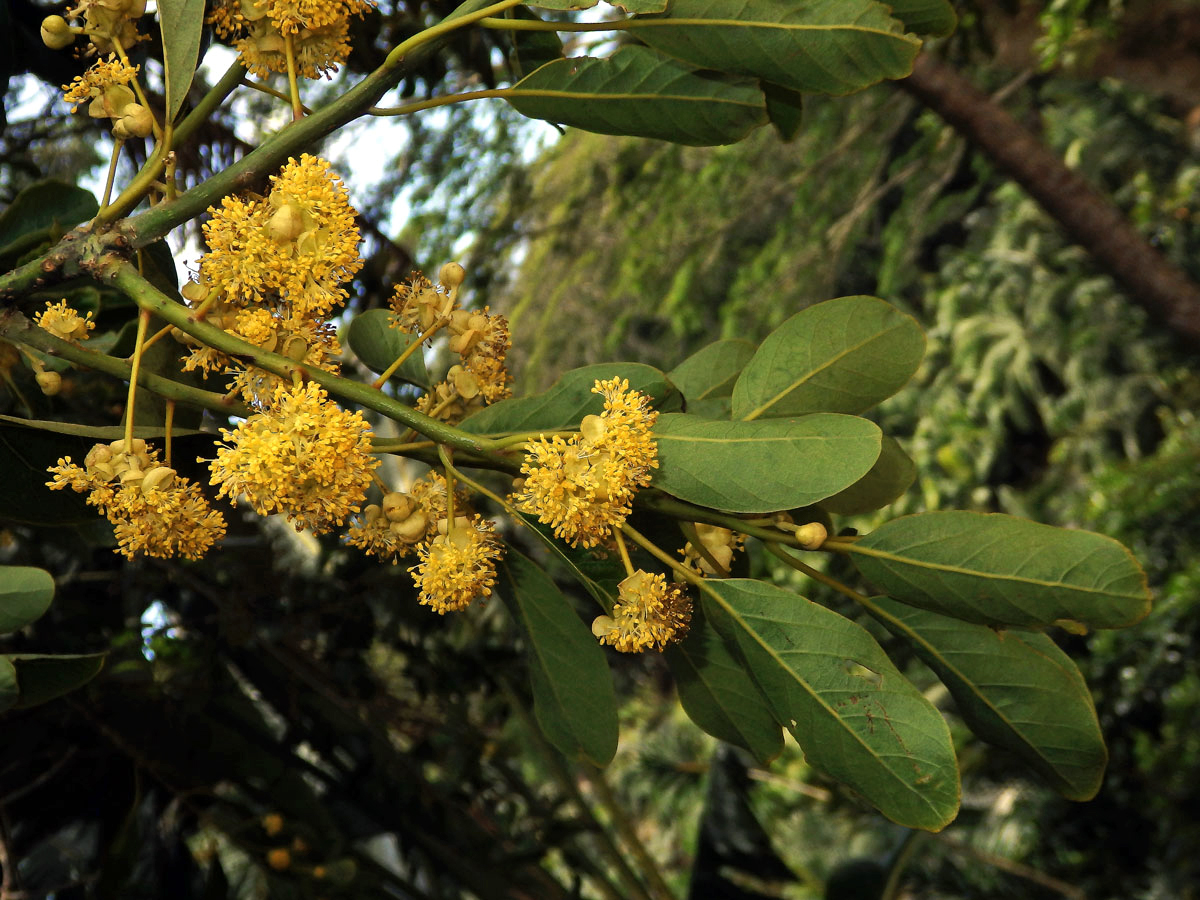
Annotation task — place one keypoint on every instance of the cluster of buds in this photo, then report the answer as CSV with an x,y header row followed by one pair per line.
x,y
480,339
393,528
715,553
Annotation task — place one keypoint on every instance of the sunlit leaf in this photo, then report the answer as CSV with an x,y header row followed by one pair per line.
x,y
994,569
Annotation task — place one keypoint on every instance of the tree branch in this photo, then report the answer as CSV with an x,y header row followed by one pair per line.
x,y
1089,218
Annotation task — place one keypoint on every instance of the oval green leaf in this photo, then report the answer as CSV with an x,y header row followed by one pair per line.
x,y
718,695
182,23
994,569
640,93
377,344
842,355
821,46
25,595
892,475
573,698
1014,689
42,678
755,467
855,716
711,371
41,208
570,398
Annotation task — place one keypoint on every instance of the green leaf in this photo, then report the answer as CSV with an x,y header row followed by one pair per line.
x,y
378,345
9,694
42,207
932,17
820,46
754,467
25,594
892,475
573,697
1016,690
785,109
994,569
41,678
718,695
842,355
855,716
570,398
182,23
96,432
640,93
711,371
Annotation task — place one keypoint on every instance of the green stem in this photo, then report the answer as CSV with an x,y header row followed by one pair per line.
x,y
289,52
16,328
118,143
624,551
408,351
628,835
679,509
828,580
135,367
899,864
270,91
448,467
662,556
125,277
466,14
447,100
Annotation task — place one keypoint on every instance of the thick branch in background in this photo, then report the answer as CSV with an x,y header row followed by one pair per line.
x,y
1089,218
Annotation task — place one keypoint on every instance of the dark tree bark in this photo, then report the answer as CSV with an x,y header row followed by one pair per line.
x,y
1089,218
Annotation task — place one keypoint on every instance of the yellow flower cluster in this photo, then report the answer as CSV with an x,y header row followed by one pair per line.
x,y
298,245
64,322
276,269
304,457
457,567
480,339
583,486
649,614
153,510
318,29
393,529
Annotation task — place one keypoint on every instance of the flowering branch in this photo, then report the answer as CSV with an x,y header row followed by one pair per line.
x,y
147,296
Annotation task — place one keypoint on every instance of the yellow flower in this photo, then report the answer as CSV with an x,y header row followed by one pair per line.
x,y
63,322
103,86
154,511
648,614
319,30
299,244
304,457
457,567
584,487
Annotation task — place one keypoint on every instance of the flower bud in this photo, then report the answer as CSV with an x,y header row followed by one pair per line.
x,y
49,382
811,536
451,275
397,506
158,478
286,224
97,455
295,348
56,33
279,859
411,529
135,122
